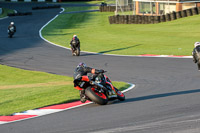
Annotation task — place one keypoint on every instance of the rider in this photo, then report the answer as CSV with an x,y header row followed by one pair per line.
x,y
75,42
12,26
196,53
81,70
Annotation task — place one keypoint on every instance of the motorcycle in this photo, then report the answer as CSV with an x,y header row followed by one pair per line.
x,y
11,32
100,90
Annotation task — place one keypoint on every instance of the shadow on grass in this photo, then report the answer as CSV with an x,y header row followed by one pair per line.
x,y
119,49
58,34
103,52
149,97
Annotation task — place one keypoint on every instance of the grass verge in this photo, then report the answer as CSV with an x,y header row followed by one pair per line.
x,y
5,12
97,35
22,90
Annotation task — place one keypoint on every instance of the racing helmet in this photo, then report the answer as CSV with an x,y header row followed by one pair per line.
x,y
12,23
81,64
196,44
75,36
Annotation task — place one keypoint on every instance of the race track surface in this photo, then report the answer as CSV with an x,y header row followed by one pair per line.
x,y
165,99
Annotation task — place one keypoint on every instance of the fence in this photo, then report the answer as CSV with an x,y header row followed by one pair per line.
x,y
141,19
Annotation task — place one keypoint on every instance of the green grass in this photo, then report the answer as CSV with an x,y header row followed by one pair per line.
x,y
85,2
22,90
5,12
97,35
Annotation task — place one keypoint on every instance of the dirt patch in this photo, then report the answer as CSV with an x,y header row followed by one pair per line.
x,y
36,85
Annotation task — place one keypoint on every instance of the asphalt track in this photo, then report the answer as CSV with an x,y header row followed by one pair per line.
x,y
165,99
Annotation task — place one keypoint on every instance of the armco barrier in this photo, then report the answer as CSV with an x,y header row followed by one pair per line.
x,y
45,7
141,19
19,14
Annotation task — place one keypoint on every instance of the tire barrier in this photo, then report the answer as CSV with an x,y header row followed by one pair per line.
x,y
198,10
106,8
183,13
173,15
163,18
168,17
195,11
178,15
189,12
141,19
19,14
45,7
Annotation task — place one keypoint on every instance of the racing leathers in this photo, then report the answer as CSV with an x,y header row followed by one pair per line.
x,y
12,28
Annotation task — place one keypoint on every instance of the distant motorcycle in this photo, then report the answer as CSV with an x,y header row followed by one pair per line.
x,y
11,31
99,90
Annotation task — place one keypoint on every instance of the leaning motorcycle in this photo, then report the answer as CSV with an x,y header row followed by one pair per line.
x,y
11,32
100,90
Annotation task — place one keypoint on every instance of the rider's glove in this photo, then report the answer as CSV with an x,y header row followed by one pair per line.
x,y
101,71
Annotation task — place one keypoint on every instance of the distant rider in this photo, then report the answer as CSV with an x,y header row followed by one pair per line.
x,y
75,42
12,27
81,70
196,53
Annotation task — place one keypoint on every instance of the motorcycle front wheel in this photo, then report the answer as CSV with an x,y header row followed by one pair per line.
x,y
97,97
10,35
120,95
77,51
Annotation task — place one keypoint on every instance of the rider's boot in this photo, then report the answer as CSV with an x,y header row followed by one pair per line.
x,y
82,96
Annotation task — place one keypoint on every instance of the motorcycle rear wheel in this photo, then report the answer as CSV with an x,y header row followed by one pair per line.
x,y
97,97
198,64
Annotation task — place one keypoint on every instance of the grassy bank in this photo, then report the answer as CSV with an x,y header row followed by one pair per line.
x,y
22,90
5,12
97,35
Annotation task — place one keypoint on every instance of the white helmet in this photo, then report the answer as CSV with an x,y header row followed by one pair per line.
x,y
196,44
74,35
12,23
